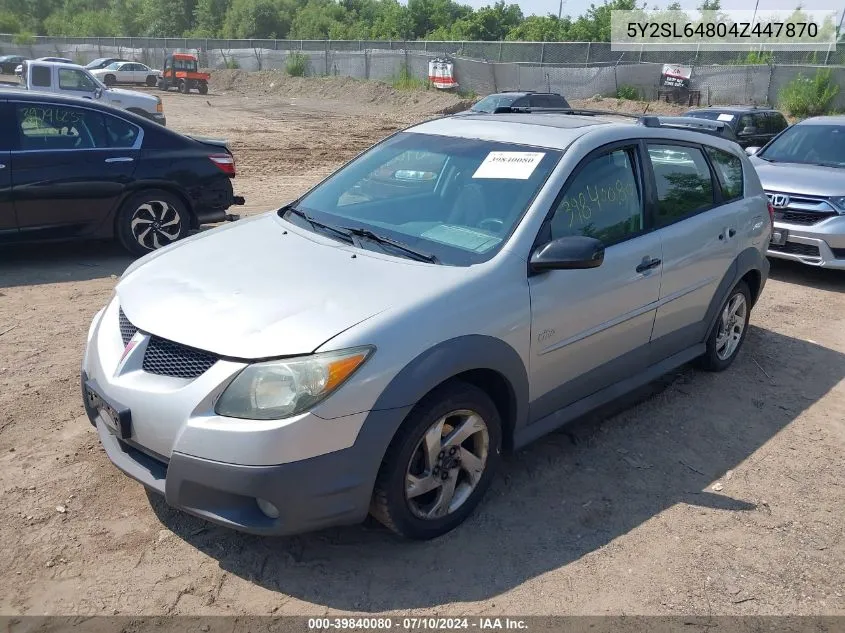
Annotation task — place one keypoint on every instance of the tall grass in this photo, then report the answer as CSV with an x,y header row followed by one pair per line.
x,y
296,65
809,96
407,81
631,93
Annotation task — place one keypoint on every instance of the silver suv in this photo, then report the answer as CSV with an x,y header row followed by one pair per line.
x,y
462,288
803,173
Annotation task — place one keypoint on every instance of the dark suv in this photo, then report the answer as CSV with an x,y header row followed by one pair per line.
x,y
753,126
523,99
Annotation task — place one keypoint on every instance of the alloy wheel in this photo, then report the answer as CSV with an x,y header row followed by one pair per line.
x,y
447,464
731,326
155,224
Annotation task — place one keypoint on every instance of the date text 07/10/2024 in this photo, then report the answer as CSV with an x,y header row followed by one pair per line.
x,y
414,624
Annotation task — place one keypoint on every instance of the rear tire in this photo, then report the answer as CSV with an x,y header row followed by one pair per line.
x,y
162,85
151,220
450,474
729,332
183,86
203,88
151,80
109,80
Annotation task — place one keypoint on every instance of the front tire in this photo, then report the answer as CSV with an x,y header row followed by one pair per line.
x,y
183,86
440,463
151,81
151,220
728,334
203,88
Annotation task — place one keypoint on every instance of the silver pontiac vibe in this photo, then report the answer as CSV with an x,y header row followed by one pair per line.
x,y
460,289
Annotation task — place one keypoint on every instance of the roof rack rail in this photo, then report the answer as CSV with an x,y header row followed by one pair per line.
x,y
575,111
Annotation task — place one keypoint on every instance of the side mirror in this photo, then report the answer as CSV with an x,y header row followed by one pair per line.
x,y
98,93
568,253
750,151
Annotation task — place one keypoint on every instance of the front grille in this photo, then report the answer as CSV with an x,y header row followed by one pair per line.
x,y
127,330
793,248
803,210
805,218
167,358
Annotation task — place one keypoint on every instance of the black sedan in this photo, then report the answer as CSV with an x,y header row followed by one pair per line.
x,y
71,168
8,63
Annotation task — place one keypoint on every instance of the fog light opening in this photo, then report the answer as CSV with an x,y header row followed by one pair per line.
x,y
268,508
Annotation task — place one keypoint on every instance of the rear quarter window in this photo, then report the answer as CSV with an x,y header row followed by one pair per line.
x,y
40,76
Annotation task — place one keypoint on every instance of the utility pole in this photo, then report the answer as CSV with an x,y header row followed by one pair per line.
x,y
755,11
560,11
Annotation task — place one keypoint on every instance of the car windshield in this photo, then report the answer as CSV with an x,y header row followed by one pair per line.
x,y
489,104
455,198
94,63
113,66
811,144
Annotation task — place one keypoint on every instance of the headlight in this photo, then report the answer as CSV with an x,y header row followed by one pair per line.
x,y
838,201
282,388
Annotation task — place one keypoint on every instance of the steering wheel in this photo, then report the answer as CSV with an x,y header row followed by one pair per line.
x,y
493,225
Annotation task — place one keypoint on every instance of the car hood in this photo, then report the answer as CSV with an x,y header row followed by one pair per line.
x,y
130,96
811,180
260,288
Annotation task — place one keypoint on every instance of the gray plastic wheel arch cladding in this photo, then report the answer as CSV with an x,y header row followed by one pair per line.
x,y
456,356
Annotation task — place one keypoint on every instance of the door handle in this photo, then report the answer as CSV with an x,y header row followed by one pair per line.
x,y
120,159
731,232
648,264
2,166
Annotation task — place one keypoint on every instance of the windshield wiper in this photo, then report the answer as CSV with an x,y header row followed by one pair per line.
x,y
346,236
375,237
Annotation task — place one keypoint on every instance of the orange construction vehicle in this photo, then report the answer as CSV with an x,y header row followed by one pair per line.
x,y
180,70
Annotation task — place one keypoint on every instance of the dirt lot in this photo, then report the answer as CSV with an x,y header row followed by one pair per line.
x,y
716,494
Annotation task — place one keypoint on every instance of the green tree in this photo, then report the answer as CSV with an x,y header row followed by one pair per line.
x,y
167,18
82,24
490,23
208,17
535,28
257,19
9,22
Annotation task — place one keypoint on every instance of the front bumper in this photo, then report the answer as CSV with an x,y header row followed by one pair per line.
x,y
317,472
312,494
821,244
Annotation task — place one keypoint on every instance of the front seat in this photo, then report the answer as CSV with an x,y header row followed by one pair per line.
x,y
469,206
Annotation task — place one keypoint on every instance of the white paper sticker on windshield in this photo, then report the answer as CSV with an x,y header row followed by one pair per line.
x,y
726,117
511,165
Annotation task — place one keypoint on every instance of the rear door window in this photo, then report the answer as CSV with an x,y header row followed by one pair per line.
x,y
121,134
683,179
40,76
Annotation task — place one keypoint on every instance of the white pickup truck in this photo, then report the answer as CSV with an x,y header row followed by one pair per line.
x,y
74,80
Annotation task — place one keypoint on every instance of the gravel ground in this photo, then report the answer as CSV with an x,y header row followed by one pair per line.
x,y
704,494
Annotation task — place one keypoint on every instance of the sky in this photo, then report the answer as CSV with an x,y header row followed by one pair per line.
x,y
575,8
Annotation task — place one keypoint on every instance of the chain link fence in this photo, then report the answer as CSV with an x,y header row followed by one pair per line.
x,y
578,70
